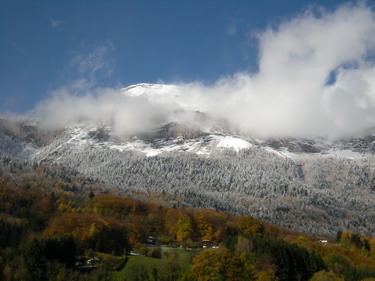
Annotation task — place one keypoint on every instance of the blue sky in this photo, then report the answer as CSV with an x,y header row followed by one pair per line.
x,y
47,45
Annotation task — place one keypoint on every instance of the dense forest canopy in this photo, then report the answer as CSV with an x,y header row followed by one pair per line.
x,y
52,218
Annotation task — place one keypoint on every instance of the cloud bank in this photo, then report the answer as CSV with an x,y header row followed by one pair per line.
x,y
316,78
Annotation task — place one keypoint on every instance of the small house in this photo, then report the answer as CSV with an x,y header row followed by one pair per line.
x,y
208,244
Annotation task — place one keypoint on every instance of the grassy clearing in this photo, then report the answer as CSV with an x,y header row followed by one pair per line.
x,y
184,256
133,266
110,262
146,265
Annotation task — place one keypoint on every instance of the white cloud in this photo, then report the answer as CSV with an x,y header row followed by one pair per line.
x,y
231,29
315,79
95,60
127,114
55,23
90,64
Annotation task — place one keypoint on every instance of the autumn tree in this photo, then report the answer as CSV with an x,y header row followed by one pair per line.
x,y
184,228
325,276
251,226
211,265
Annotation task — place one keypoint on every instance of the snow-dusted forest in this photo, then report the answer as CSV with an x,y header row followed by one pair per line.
x,y
314,193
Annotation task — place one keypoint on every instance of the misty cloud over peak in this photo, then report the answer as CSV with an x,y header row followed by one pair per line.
x,y
316,78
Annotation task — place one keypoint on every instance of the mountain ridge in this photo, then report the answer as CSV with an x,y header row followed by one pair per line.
x,y
313,185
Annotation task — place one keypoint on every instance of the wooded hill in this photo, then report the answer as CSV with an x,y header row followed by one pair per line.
x,y
51,217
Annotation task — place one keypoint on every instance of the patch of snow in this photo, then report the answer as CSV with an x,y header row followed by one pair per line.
x,y
29,150
333,152
202,146
161,94
341,153
282,153
232,142
176,145
153,92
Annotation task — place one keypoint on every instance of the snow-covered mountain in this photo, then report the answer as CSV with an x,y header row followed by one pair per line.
x,y
314,185
151,90
207,144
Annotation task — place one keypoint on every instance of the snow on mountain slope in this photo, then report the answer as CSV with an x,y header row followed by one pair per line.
x,y
314,185
343,153
211,137
81,137
281,181
161,94
155,93
152,90
201,146
232,142
291,148
207,144
16,148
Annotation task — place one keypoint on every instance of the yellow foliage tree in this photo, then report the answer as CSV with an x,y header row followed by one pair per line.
x,y
206,266
204,228
325,276
212,265
251,226
268,275
184,228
